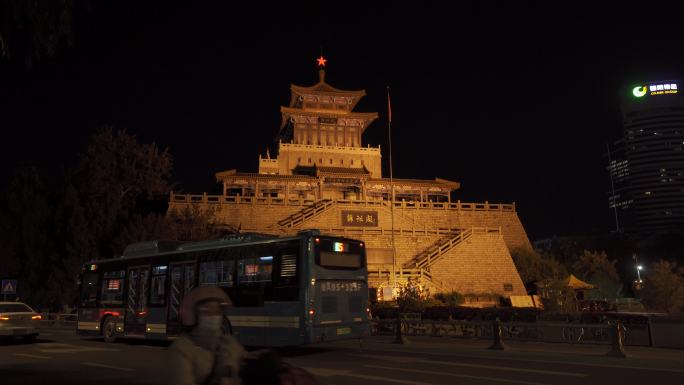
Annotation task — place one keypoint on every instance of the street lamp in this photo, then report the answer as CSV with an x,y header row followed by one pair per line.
x,y
639,267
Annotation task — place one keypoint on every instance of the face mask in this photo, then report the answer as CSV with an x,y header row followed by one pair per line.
x,y
210,323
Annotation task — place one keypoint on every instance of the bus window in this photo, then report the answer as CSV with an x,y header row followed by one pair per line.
x,y
216,273
254,275
255,269
89,290
112,288
158,289
286,272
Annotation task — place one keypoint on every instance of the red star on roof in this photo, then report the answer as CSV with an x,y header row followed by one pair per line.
x,y
321,61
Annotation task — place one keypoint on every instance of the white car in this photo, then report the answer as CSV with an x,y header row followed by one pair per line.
x,y
18,320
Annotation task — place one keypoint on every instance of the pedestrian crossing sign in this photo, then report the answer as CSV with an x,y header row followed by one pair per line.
x,y
9,286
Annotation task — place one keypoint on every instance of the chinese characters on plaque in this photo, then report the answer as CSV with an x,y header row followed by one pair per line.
x,y
359,218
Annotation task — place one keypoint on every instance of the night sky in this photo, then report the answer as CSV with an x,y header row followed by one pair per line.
x,y
516,102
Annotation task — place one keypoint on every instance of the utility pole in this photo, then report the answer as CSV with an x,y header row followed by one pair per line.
x,y
389,135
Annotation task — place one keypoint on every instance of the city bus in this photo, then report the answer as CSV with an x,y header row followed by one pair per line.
x,y
285,291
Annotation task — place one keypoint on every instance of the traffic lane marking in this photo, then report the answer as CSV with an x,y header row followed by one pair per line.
x,y
31,355
69,348
96,364
324,372
433,372
477,366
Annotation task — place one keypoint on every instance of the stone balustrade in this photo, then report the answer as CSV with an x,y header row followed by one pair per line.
x,y
237,199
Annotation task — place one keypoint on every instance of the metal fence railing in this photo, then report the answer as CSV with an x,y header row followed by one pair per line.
x,y
635,334
64,320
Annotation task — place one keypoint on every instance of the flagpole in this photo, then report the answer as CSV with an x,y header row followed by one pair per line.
x,y
389,134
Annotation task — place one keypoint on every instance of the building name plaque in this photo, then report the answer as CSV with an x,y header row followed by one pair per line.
x,y
325,120
365,218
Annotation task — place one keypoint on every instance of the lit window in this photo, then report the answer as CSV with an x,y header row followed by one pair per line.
x,y
647,193
113,284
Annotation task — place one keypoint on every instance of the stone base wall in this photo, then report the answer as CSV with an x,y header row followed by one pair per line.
x,y
481,264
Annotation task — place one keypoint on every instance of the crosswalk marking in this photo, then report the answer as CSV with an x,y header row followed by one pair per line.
x,y
107,366
432,372
31,355
463,364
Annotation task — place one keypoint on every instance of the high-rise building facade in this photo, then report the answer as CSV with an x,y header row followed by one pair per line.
x,y
646,166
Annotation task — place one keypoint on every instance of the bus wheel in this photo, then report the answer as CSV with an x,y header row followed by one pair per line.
x,y
109,330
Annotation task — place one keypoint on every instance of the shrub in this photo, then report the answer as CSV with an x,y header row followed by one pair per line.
x,y
452,298
411,298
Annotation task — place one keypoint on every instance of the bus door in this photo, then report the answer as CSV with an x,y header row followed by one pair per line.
x,y
136,300
182,281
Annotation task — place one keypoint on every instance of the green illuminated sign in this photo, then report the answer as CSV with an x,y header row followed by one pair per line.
x,y
639,91
655,89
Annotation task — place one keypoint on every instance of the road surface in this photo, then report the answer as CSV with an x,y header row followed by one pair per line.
x,y
61,357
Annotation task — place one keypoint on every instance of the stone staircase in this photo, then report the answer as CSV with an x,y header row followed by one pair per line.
x,y
306,213
426,259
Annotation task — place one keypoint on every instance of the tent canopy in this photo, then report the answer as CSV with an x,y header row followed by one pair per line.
x,y
571,282
576,283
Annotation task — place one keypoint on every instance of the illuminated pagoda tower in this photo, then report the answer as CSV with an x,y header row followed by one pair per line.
x,y
323,177
320,155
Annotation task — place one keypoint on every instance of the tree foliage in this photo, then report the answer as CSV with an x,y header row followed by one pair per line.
x,y
32,30
663,288
49,228
26,215
533,266
591,263
596,268
113,181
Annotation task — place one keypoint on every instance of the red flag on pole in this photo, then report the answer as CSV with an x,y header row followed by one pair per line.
x,y
389,106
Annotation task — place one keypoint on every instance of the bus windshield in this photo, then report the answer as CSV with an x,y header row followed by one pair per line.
x,y
339,254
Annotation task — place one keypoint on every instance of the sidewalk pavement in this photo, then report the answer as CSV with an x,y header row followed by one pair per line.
x,y
558,353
